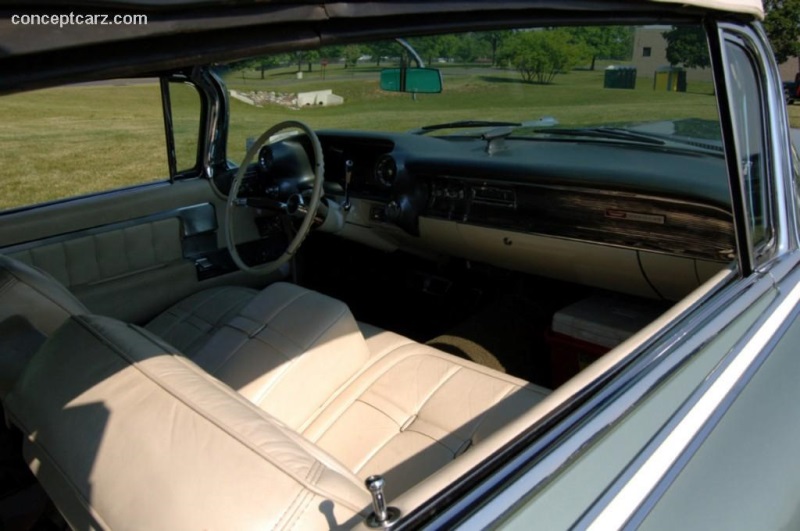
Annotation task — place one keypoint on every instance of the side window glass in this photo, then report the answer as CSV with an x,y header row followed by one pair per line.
x,y
80,139
186,116
748,115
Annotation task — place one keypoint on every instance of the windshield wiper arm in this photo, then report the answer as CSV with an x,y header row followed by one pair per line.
x,y
463,124
611,133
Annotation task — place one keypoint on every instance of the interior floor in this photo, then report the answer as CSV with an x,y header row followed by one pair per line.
x,y
495,317
23,503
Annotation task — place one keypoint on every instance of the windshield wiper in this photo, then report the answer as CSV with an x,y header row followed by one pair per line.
x,y
463,124
610,133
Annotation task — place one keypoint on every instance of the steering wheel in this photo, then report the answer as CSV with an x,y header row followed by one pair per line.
x,y
294,207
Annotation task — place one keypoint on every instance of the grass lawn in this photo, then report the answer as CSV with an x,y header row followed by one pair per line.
x,y
74,140
78,139
470,93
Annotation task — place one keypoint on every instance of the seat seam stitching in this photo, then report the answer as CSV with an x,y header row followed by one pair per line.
x,y
209,418
286,510
283,369
434,440
229,357
188,313
285,336
292,361
482,417
302,503
336,321
285,305
451,373
375,451
355,377
449,376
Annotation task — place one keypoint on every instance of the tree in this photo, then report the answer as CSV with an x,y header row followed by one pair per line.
x,y
264,63
380,49
311,57
495,41
469,47
687,46
606,42
331,52
782,24
434,47
351,54
256,63
540,55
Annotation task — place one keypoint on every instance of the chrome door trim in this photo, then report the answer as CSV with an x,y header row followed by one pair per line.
x,y
556,441
677,437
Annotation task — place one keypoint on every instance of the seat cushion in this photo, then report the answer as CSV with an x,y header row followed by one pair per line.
x,y
415,409
125,434
190,323
287,350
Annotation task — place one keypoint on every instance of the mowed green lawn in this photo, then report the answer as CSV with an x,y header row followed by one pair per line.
x,y
469,93
80,139
75,140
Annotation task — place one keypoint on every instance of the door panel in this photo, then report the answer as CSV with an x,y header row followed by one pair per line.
x,y
127,254
108,255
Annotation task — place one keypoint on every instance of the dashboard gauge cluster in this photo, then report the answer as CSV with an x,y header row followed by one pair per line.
x,y
266,158
385,170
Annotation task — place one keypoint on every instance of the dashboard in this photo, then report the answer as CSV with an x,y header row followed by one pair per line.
x,y
454,195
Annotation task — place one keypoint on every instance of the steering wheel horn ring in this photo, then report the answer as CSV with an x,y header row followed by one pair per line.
x,y
295,206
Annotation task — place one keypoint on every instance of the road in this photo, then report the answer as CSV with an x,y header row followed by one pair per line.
x,y
796,138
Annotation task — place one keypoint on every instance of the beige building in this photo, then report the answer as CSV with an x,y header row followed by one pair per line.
x,y
650,53
789,69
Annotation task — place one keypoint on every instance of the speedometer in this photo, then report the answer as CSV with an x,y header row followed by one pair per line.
x,y
265,158
386,170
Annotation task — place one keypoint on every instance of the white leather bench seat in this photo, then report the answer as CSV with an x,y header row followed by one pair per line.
x,y
383,404
282,382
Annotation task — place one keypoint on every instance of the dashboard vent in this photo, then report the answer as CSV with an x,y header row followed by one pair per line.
x,y
488,195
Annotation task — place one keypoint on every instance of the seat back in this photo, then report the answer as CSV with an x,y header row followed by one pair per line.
x,y
32,306
123,432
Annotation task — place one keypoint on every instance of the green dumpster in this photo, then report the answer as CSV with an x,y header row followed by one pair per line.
x,y
620,77
670,78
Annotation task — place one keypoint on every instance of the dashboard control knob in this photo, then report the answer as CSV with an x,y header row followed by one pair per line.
x,y
393,211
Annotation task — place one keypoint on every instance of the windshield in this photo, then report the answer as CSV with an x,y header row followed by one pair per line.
x,y
641,78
